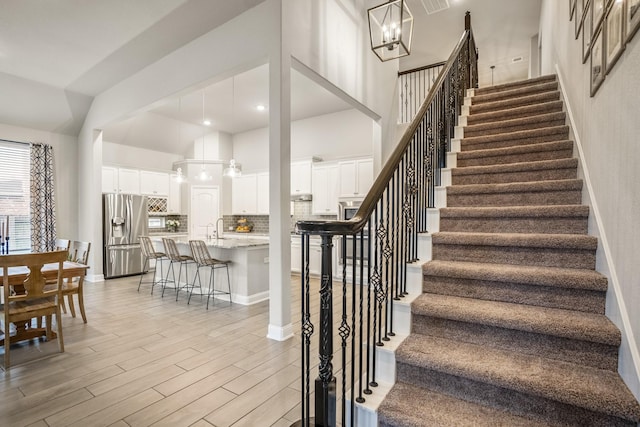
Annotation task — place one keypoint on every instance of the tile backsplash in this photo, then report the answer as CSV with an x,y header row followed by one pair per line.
x,y
301,211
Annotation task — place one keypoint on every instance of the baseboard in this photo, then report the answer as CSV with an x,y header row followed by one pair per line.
x,y
629,344
280,333
93,278
248,300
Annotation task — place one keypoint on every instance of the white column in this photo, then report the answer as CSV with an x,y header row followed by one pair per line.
x,y
280,327
90,198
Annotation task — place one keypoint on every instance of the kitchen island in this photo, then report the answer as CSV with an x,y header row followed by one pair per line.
x,y
248,270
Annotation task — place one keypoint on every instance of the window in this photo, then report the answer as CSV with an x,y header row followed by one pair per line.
x,y
14,194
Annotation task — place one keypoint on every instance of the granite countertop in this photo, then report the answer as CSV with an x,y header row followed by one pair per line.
x,y
223,243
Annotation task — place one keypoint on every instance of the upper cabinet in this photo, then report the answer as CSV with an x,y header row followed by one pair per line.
x,y
244,195
174,201
120,180
154,183
301,177
356,177
263,193
325,190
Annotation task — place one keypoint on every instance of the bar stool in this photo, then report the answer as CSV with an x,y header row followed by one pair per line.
x,y
203,258
149,253
174,256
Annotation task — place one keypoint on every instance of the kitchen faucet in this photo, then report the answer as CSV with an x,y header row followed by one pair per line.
x,y
217,232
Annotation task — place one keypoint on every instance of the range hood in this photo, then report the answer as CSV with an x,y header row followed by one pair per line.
x,y
303,197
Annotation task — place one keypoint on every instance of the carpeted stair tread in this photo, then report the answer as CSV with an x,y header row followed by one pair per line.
x,y
577,211
517,187
407,405
514,112
547,241
522,123
548,276
505,104
540,151
555,133
509,93
517,84
516,167
577,325
593,389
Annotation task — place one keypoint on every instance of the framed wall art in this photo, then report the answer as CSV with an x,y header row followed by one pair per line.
x,y
587,33
579,16
597,13
597,62
614,29
632,18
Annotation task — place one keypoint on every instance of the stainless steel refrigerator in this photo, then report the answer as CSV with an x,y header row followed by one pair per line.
x,y
125,219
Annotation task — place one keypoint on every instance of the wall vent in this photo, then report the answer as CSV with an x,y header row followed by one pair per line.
x,y
517,59
433,6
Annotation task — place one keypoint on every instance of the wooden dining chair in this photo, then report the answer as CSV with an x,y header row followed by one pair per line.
x,y
31,298
62,244
78,252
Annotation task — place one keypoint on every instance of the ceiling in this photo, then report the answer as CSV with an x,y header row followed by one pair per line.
x,y
55,56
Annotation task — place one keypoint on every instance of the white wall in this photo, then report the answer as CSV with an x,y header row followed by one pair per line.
x,y
607,129
138,158
332,38
332,136
65,157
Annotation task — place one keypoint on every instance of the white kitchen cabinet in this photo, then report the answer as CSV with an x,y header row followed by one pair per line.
x,y
154,183
109,179
324,183
301,177
296,260
128,181
356,177
244,195
174,201
263,193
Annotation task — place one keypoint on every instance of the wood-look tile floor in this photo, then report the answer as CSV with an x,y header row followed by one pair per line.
x,y
147,360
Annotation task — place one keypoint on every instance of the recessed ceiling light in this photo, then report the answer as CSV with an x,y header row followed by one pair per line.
x,y
207,122
260,107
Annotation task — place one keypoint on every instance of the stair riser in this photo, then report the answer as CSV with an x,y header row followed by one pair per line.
x,y
517,293
552,225
515,158
494,107
514,92
471,145
513,401
585,353
519,176
506,129
549,257
512,114
568,197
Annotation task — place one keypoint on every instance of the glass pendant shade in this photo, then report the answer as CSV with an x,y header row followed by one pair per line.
x,y
391,30
233,170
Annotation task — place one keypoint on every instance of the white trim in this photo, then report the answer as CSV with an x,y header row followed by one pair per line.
x,y
280,333
608,259
93,278
249,300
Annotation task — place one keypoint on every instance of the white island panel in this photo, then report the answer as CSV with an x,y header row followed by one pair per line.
x,y
248,271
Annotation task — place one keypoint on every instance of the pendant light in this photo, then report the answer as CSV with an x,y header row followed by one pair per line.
x,y
180,178
203,176
391,29
232,171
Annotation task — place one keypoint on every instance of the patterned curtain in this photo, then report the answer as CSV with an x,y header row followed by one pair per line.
x,y
43,206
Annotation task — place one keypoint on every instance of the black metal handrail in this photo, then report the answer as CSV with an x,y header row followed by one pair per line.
x,y
413,87
376,246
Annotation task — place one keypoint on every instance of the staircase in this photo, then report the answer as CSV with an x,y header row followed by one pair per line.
x,y
510,329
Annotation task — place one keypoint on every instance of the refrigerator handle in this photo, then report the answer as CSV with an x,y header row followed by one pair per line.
x,y
129,213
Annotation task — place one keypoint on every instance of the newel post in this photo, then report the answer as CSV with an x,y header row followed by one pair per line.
x,y
326,382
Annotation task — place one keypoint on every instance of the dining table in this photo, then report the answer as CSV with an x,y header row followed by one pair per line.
x,y
17,276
